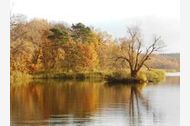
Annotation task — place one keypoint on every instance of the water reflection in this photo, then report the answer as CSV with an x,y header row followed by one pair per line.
x,y
137,99
139,106
81,103
135,96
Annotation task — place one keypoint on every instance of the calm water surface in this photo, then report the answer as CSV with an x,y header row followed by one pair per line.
x,y
58,103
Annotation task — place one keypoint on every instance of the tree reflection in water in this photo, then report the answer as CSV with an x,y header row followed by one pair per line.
x,y
139,106
137,100
78,103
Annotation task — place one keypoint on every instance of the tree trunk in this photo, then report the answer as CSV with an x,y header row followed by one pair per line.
x,y
133,74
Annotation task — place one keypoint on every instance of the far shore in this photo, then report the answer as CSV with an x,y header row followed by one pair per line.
x,y
172,74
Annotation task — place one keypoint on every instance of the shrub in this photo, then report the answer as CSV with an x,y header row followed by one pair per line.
x,y
123,76
19,77
142,76
155,75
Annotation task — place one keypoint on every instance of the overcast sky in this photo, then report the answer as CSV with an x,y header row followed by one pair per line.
x,y
160,17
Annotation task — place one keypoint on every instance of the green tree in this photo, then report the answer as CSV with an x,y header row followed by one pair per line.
x,y
59,35
82,33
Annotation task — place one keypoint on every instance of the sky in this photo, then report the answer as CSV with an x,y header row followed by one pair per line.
x,y
161,17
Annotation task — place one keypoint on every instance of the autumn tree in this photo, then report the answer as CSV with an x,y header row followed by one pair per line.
x,y
20,48
27,42
49,52
106,49
59,35
79,57
83,34
36,31
20,55
37,45
134,53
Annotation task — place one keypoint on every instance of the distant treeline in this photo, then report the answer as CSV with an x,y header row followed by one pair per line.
x,y
170,61
171,55
39,46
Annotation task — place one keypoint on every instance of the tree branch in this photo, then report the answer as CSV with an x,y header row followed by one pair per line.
x,y
147,67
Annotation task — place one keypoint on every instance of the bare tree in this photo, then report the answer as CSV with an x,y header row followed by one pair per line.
x,y
17,27
135,53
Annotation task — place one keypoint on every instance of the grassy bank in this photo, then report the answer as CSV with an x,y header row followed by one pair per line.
x,y
71,75
123,76
153,75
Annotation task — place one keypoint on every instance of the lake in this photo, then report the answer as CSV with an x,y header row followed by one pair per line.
x,y
72,103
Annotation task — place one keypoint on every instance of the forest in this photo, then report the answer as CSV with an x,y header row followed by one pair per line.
x,y
43,49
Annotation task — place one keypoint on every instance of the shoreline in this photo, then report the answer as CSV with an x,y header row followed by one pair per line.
x,y
154,76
